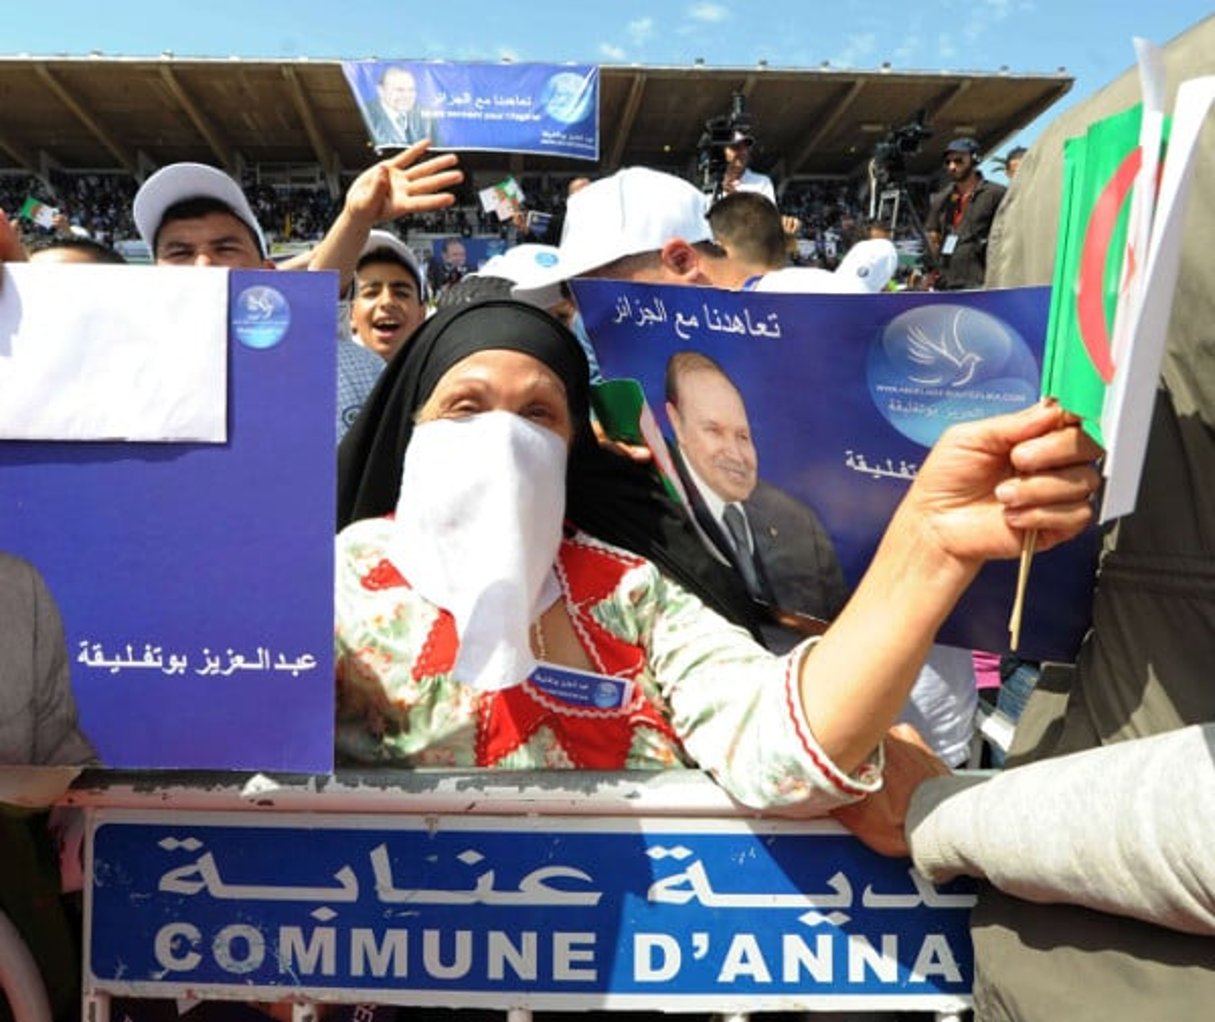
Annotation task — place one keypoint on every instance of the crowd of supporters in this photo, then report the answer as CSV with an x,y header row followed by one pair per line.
x,y
99,204
830,213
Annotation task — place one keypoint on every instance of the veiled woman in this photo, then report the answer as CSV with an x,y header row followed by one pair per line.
x,y
510,594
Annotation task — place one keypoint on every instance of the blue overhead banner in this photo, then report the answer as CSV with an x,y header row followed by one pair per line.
x,y
546,109
195,580
573,913
845,394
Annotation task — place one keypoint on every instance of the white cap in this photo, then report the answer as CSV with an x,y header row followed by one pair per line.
x,y
180,181
635,210
377,239
869,265
524,264
866,269
801,280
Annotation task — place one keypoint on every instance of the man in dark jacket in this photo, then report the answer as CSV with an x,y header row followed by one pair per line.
x,y
960,217
1146,666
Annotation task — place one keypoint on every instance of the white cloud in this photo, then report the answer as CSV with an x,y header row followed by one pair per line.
x,y
859,45
640,30
905,54
612,52
708,12
983,15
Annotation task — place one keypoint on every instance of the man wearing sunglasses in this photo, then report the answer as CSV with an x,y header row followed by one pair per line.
x,y
960,217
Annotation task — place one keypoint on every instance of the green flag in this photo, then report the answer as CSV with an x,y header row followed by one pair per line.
x,y
625,415
1099,170
39,212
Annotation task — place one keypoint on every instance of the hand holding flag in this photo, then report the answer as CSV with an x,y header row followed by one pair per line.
x,y
38,212
1115,271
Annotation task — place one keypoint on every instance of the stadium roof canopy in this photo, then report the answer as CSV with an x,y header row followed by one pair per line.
x,y
135,114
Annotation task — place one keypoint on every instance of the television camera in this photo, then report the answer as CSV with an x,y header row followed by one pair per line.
x,y
892,152
719,133
888,195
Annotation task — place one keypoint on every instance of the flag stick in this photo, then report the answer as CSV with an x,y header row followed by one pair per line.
x,y
1029,543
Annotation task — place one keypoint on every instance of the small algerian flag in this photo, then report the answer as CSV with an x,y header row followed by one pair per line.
x,y
505,198
1099,170
1095,263
1125,185
39,212
1116,266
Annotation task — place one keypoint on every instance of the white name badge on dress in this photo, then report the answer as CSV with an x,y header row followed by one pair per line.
x,y
582,688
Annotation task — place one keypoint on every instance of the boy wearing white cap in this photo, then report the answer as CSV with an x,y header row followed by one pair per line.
x,y
638,224
388,299
192,214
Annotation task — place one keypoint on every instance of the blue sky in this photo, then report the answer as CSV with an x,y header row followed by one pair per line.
x,y
1091,40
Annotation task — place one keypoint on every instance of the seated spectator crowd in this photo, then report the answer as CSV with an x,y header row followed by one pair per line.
x,y
831,216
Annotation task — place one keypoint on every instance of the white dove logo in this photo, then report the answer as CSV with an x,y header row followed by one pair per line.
x,y
949,363
259,304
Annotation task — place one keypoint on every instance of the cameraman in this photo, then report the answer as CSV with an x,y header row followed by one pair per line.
x,y
739,177
960,217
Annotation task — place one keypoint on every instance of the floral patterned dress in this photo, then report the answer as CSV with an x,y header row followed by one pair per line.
x,y
703,693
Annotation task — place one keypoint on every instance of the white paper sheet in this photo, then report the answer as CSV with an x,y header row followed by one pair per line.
x,y
1135,383
93,352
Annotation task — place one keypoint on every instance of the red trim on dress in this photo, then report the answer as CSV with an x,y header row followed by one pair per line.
x,y
438,652
591,739
590,575
383,575
827,769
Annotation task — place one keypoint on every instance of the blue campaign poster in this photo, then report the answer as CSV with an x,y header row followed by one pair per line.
x,y
844,395
547,109
196,580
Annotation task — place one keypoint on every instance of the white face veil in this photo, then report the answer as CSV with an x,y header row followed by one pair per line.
x,y
478,524
607,496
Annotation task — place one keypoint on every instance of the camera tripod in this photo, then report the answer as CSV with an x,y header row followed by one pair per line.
x,y
888,200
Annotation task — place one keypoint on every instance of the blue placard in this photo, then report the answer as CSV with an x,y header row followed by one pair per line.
x,y
845,394
548,912
547,109
196,580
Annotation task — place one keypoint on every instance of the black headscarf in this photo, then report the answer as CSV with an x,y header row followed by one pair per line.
x,y
607,495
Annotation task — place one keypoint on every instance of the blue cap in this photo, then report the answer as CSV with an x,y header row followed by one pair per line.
x,y
963,145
